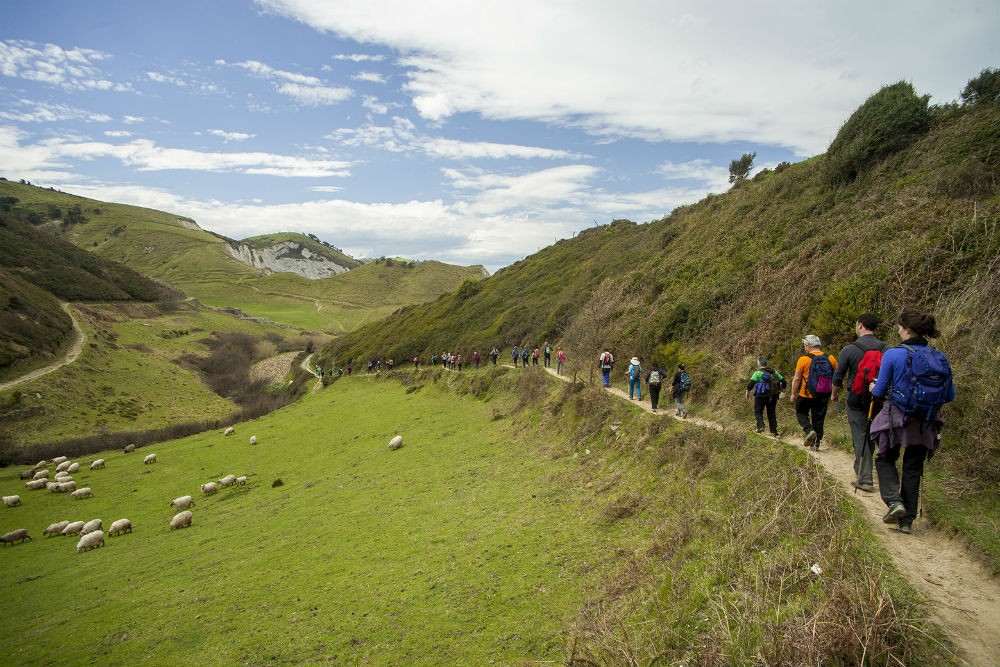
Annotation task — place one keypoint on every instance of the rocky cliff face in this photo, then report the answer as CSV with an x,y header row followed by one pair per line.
x,y
286,257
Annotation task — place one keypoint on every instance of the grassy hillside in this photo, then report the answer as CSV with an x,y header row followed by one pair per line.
x,y
750,271
544,523
129,376
171,249
314,246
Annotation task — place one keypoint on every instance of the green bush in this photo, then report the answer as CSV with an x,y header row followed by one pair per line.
x,y
889,121
983,89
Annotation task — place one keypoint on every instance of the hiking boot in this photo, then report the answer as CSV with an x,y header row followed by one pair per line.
x,y
774,434
759,429
905,527
685,414
810,440
869,488
896,510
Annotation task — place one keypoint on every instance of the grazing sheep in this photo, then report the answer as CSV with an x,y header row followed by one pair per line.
x,y
73,528
63,476
182,503
12,501
59,460
41,464
150,458
63,487
41,474
91,526
85,492
241,480
209,488
36,483
50,486
90,541
27,474
229,431
228,480
181,520
19,534
73,467
63,466
253,440
55,528
396,442
128,449
120,527
97,465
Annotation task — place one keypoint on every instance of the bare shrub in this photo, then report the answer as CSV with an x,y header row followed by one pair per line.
x,y
264,349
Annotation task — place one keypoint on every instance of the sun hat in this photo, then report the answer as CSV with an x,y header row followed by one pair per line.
x,y
635,361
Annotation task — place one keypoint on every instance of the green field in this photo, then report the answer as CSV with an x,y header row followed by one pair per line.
x,y
523,522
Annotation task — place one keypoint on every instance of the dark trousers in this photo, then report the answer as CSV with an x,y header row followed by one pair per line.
x,y
811,413
654,395
768,403
891,487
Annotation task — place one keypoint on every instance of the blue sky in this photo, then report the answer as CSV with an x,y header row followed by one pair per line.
x,y
467,132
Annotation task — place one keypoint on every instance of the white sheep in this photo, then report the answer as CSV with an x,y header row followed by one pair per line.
x,y
73,528
12,501
73,467
90,541
41,474
59,460
228,480
182,503
150,458
85,492
91,526
253,440
229,431
19,534
27,474
63,476
41,464
396,442
128,449
63,466
120,527
62,487
209,488
181,520
55,528
36,484
50,486
241,480
97,465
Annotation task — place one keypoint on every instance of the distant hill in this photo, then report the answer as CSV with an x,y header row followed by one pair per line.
x,y
225,273
37,270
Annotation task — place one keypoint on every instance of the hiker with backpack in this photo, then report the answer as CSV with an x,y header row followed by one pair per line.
x,y
634,374
606,362
811,389
560,360
654,380
679,388
547,354
766,385
915,380
859,364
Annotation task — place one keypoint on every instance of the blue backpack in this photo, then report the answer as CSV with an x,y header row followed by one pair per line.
x,y
769,385
925,385
820,375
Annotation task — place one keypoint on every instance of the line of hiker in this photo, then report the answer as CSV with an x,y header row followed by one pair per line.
x,y
893,400
680,386
543,353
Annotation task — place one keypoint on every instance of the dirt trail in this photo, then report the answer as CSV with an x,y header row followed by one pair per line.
x,y
963,597
70,357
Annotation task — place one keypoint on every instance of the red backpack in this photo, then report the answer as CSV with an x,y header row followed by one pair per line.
x,y
868,369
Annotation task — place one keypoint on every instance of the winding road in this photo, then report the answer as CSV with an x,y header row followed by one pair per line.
x,y
68,358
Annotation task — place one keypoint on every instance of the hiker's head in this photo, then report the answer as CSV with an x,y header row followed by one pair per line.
x,y
680,367
811,341
920,324
868,321
761,362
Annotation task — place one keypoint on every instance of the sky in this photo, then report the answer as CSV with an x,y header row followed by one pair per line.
x,y
473,132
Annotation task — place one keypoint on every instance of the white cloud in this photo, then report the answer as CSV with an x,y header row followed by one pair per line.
x,y
374,105
304,88
403,137
360,58
781,73
117,133
72,69
231,136
370,77
33,111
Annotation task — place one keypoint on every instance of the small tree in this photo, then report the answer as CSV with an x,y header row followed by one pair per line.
x,y
983,89
740,169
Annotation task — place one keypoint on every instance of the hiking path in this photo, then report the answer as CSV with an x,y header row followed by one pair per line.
x,y
71,354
